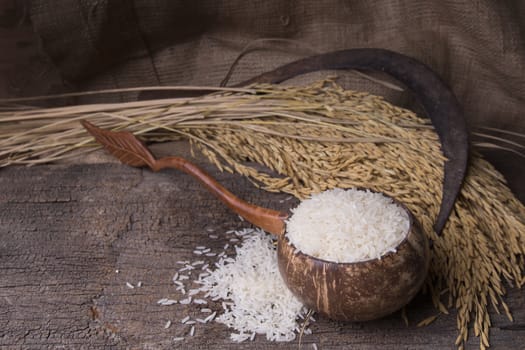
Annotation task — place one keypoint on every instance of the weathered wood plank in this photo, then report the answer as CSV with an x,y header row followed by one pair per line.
x,y
66,229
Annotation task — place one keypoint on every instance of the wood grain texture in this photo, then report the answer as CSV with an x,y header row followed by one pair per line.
x,y
65,230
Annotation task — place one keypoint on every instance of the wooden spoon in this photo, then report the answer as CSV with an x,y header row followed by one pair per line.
x,y
344,291
131,151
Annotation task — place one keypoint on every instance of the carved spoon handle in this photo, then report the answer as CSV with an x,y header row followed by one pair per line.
x,y
131,151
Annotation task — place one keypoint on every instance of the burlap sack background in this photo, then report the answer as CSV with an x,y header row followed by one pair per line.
x,y
478,47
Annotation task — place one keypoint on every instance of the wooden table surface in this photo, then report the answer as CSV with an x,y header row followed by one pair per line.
x,y
66,229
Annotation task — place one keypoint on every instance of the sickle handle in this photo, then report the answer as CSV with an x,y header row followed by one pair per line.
x,y
437,99
271,221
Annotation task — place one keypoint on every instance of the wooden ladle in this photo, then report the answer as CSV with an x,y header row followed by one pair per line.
x,y
357,291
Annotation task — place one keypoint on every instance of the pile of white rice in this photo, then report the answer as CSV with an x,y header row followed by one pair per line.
x,y
260,302
244,291
347,225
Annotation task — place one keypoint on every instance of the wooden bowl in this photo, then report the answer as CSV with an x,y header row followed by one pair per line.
x,y
357,291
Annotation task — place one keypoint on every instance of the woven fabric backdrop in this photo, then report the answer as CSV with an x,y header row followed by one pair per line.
x,y
477,46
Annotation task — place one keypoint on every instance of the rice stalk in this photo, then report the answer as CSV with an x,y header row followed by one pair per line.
x,y
502,131
14,101
502,140
315,138
490,145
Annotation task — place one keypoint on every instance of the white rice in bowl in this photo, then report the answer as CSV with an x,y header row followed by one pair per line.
x,y
347,226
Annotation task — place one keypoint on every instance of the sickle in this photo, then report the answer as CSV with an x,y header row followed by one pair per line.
x,y
437,99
